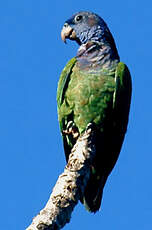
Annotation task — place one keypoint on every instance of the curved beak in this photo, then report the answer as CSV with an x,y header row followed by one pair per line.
x,y
68,33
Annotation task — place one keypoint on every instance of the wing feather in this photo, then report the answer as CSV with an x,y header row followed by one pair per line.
x,y
64,111
122,95
63,81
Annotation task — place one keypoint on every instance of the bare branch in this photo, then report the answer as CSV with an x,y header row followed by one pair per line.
x,y
69,187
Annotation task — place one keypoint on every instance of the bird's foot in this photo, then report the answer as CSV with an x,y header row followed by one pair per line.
x,y
91,126
71,130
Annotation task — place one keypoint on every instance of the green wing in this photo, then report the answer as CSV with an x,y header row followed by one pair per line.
x,y
121,107
62,86
63,81
122,96
106,158
64,113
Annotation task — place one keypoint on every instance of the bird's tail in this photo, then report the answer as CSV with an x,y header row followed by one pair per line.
x,y
93,193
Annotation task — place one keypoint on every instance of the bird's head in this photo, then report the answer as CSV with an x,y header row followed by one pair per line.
x,y
85,26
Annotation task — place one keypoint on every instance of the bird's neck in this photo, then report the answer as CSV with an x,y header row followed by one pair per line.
x,y
96,54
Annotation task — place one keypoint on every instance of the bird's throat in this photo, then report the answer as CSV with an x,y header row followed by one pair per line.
x,y
96,55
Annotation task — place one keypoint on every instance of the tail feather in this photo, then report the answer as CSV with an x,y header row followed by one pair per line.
x,y
93,193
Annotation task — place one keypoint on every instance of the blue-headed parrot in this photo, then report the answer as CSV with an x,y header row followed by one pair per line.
x,y
94,87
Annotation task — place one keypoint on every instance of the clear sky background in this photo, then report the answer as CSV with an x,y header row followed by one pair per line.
x,y
32,57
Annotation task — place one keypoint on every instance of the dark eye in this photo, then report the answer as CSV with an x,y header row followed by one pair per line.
x,y
78,18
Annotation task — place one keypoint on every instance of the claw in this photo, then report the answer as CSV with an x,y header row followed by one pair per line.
x,y
90,126
72,129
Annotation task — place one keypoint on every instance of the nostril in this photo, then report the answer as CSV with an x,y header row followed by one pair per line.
x,y
66,24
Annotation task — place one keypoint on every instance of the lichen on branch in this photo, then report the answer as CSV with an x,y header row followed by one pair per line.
x,y
69,187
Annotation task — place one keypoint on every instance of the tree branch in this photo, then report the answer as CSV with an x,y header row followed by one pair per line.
x,y
69,187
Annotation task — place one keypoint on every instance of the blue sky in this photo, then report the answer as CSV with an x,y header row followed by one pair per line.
x,y
32,56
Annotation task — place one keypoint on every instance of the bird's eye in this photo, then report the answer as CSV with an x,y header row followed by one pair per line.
x,y
78,18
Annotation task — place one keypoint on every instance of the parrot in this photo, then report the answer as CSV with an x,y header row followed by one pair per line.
x,y
95,88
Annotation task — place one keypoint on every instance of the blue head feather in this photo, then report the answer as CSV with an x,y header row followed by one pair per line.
x,y
89,27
